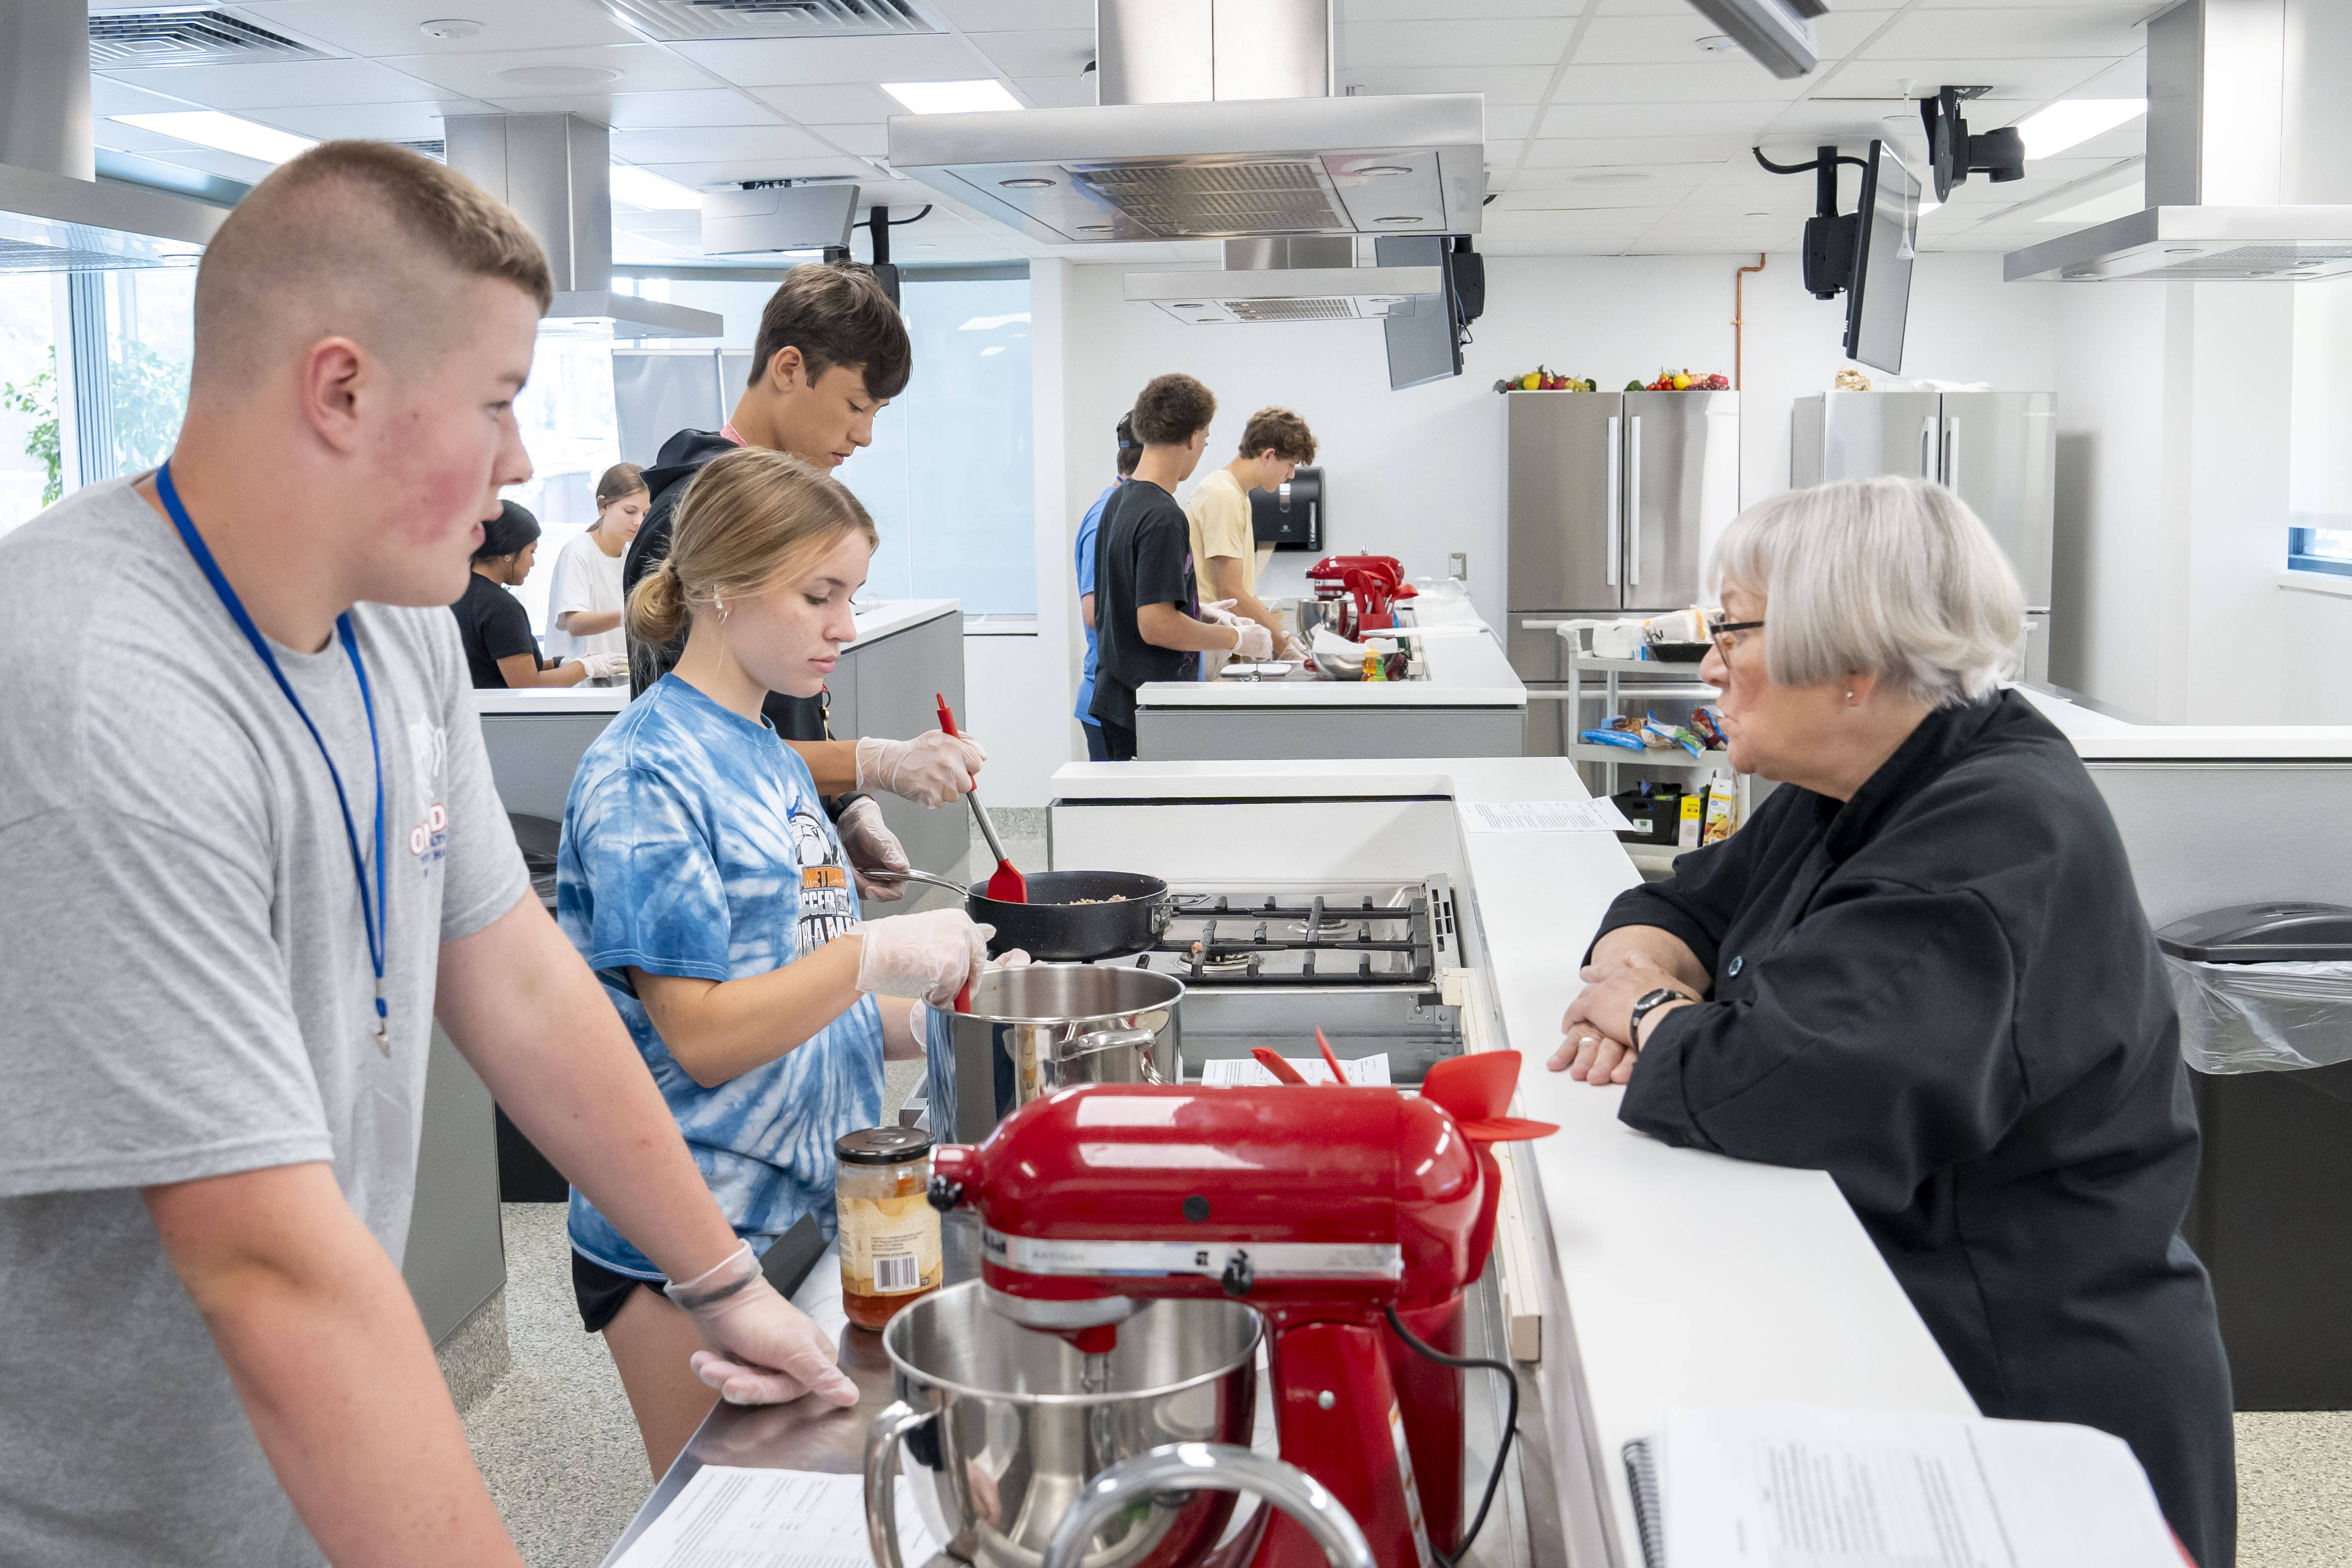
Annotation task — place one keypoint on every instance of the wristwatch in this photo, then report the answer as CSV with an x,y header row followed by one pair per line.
x,y
1649,1003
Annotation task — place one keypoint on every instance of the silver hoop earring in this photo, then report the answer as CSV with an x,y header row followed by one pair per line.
x,y
720,604
1849,696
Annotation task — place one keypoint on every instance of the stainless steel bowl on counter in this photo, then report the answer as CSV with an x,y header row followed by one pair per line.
x,y
1049,1025
1001,1427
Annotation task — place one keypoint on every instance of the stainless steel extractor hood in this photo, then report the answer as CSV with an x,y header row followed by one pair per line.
x,y
1214,122
556,172
2249,154
1284,280
56,214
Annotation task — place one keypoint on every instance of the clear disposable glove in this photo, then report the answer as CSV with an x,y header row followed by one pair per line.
x,y
932,769
1293,650
764,1349
1014,958
605,666
870,844
932,955
1220,612
1257,644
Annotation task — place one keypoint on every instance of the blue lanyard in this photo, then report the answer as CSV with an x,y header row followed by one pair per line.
x,y
373,914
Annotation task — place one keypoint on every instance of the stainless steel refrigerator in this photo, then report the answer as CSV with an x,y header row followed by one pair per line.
x,y
1614,500
1995,450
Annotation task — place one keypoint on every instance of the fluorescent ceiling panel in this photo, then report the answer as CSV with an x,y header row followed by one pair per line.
x,y
951,97
643,188
2073,120
227,132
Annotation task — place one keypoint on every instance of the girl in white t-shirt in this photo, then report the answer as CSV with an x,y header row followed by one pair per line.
x,y
583,602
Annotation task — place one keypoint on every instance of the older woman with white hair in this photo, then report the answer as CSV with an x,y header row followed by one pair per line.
x,y
1923,967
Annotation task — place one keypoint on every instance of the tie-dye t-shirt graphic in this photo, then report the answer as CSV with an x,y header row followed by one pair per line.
x,y
694,843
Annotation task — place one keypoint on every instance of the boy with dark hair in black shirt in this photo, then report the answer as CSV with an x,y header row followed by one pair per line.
x,y
1147,606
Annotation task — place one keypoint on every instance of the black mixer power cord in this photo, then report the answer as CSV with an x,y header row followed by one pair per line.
x,y
1510,1426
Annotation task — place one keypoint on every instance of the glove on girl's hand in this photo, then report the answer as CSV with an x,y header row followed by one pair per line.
x,y
870,844
604,665
932,769
764,1349
1257,644
932,955
1220,612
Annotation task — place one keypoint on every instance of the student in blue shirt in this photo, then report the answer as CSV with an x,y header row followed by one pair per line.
x,y
1130,452
702,880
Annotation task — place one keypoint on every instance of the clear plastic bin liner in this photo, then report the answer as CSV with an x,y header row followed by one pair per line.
x,y
2263,1017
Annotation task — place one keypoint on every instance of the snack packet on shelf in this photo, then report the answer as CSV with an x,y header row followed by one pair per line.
x,y
1608,737
1659,733
1708,730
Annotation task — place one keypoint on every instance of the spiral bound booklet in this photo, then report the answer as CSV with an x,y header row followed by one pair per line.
x,y
1771,1486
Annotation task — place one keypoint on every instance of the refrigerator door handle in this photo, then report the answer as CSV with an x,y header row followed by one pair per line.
x,y
1634,500
1952,453
1928,449
1616,485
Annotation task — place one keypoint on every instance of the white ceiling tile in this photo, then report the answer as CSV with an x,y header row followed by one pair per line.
x,y
692,106
2038,32
1696,81
1573,198
1508,122
1058,91
382,27
1016,16
108,96
1501,84
2008,77
1581,152
784,62
1355,11
866,141
643,68
838,105
1736,117
280,83
713,144
1655,40
1063,52
1453,41
720,171
374,122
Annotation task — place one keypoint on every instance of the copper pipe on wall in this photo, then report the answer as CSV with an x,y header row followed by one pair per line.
x,y
1740,312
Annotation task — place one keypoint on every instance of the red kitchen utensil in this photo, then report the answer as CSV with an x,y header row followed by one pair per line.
x,y
1338,1074
1475,1090
1006,883
1271,1060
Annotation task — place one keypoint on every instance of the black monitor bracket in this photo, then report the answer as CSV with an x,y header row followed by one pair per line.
x,y
1829,236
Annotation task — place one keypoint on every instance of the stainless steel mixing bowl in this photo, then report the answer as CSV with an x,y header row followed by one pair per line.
x,y
1001,1427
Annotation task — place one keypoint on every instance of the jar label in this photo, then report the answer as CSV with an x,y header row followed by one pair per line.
x,y
890,1246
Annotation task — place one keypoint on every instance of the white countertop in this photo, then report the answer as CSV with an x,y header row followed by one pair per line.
x,y
874,621
2099,737
1468,669
1680,1275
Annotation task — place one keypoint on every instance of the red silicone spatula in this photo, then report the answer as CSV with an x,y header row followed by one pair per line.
x,y
1006,885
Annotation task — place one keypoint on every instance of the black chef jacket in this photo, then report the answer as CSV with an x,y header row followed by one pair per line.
x,y
681,457
1944,993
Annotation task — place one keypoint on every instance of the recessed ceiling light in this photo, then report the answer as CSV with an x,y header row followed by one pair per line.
x,y
1716,44
449,27
1384,169
1408,217
557,76
2073,121
210,128
977,97
1025,184
1614,178
643,188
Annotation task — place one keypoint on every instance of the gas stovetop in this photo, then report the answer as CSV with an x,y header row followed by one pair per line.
x,y
1293,935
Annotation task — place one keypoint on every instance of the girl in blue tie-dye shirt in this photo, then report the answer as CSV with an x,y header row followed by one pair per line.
x,y
701,880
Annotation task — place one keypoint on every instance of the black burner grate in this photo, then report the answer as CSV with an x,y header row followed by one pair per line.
x,y
1216,941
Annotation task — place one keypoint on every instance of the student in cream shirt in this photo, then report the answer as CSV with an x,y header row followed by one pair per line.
x,y
583,602
1224,543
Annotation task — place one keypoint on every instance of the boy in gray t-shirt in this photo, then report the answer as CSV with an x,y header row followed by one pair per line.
x,y
208,1146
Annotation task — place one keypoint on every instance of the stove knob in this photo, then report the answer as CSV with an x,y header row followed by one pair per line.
x,y
1239,1275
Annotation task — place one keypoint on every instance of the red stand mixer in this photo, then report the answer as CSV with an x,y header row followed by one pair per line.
x,y
1349,1218
1359,591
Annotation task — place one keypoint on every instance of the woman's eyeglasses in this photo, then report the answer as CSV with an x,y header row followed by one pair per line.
x,y
1719,632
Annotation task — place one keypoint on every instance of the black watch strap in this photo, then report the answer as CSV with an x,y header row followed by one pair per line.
x,y
1649,1003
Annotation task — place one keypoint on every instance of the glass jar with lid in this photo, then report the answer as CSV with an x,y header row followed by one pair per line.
x,y
889,1233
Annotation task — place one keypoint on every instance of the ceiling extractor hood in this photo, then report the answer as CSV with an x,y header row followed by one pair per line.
x,y
1284,280
56,214
555,170
2249,154
1216,121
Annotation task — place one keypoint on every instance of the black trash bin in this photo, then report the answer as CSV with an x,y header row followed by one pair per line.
x,y
2270,1050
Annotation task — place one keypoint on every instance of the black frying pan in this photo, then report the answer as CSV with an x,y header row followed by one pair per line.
x,y
1127,913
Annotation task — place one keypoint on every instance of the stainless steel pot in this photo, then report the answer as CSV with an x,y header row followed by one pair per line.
x,y
1048,1025
1002,1428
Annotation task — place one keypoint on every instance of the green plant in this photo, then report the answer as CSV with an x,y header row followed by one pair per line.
x,y
38,398
150,396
